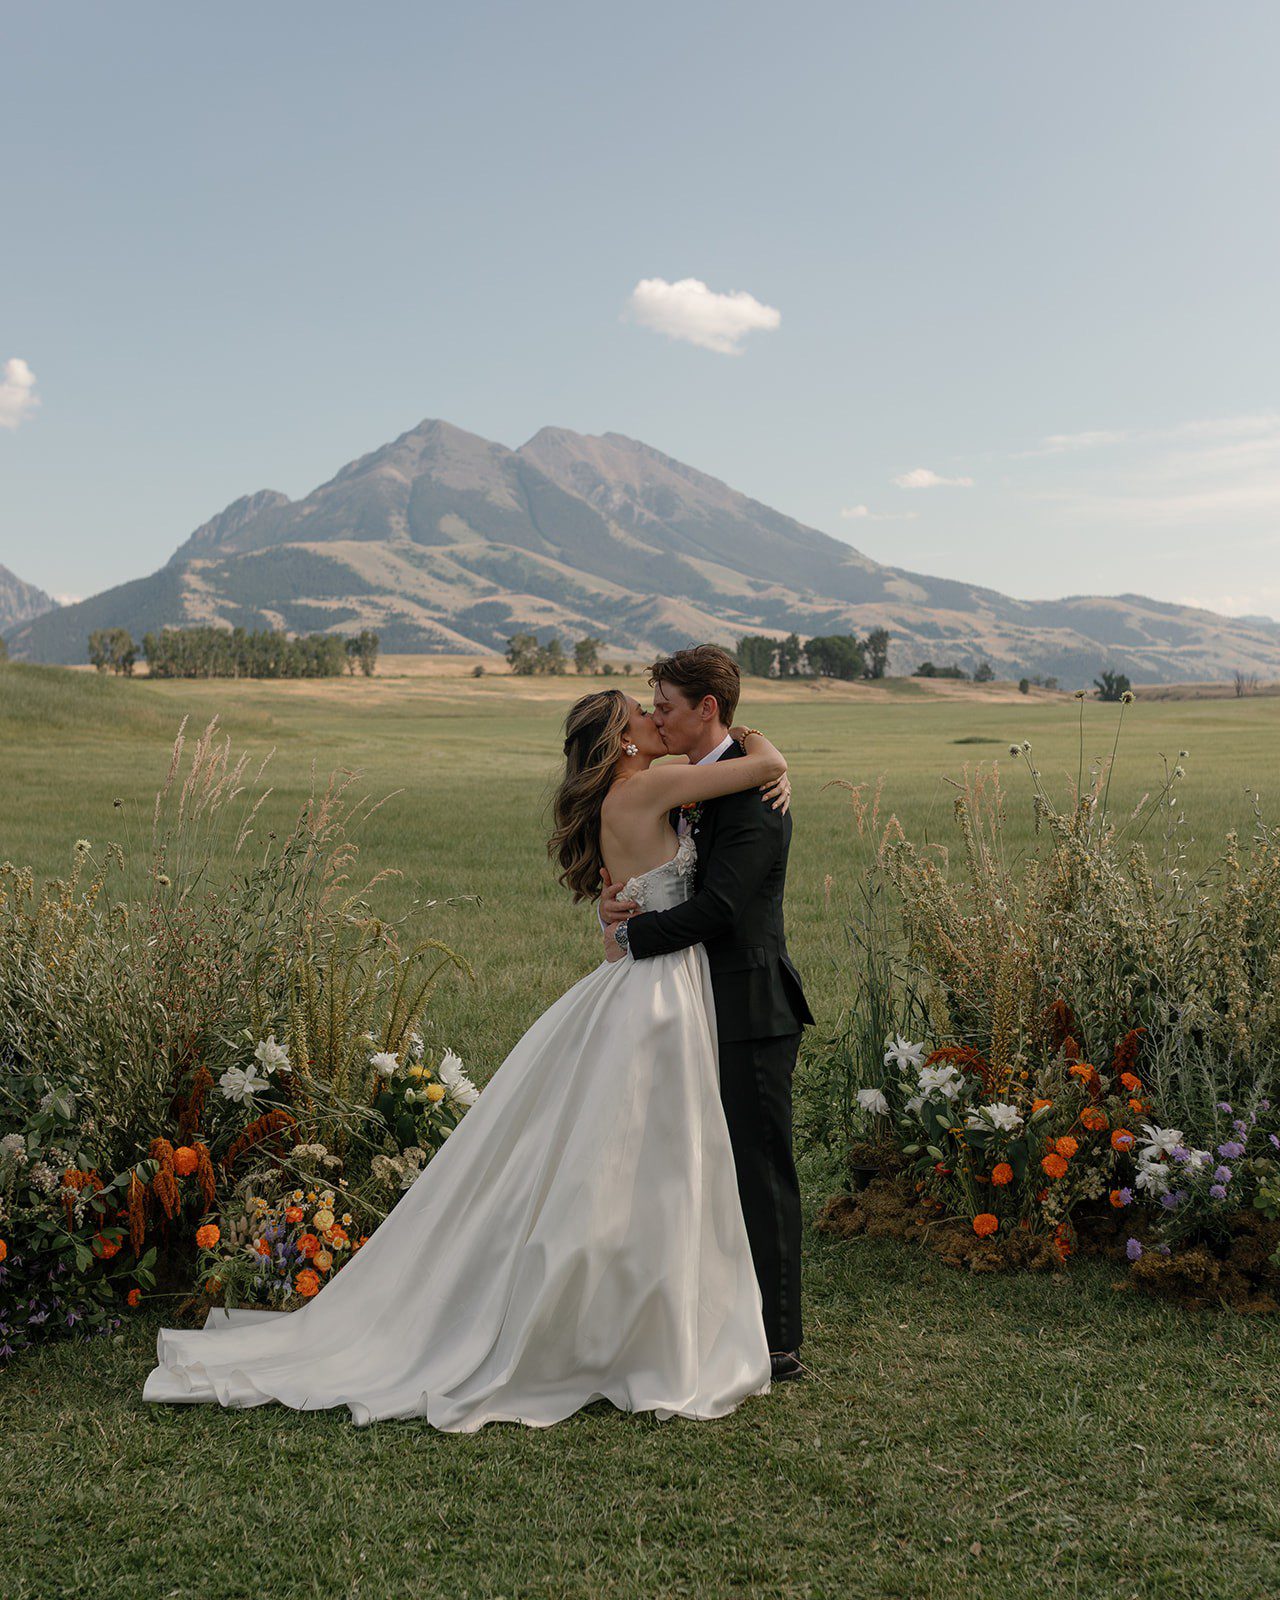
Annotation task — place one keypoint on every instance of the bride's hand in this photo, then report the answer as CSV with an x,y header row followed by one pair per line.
x,y
778,792
613,908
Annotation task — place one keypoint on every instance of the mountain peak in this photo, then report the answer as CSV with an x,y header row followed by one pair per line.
x,y
210,537
21,601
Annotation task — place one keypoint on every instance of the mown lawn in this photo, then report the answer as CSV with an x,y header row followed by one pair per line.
x,y
959,1437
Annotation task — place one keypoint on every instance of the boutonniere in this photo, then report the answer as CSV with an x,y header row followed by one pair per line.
x,y
691,811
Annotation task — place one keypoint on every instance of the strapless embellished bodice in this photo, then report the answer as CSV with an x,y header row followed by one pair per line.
x,y
669,885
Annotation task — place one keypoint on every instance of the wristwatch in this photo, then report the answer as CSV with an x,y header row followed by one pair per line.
x,y
622,934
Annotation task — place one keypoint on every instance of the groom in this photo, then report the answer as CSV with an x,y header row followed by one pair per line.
x,y
736,912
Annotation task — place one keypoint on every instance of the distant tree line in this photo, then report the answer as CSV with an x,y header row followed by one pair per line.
x,y
209,652
984,672
529,658
834,655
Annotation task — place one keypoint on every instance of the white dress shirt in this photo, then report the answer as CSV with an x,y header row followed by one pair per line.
x,y
682,827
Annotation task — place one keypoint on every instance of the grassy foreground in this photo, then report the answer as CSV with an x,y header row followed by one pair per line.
x,y
960,1437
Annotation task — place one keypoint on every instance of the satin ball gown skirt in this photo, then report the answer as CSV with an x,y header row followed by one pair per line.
x,y
578,1237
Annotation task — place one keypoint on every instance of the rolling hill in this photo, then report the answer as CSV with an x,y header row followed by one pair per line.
x,y
444,541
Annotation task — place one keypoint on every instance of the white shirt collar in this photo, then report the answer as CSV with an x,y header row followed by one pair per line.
x,y
714,755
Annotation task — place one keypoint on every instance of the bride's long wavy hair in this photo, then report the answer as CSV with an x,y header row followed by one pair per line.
x,y
593,735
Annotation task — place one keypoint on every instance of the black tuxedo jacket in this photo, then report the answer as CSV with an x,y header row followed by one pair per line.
x,y
736,912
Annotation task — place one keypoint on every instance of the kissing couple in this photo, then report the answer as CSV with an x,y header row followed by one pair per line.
x,y
617,1217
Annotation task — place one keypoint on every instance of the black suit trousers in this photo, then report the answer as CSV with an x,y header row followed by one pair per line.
x,y
755,1087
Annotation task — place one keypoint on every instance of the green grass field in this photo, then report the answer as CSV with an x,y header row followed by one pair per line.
x,y
959,1437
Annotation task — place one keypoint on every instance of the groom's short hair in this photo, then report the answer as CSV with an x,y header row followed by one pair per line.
x,y
700,670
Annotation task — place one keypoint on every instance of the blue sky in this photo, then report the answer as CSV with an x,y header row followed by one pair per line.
x,y
1032,250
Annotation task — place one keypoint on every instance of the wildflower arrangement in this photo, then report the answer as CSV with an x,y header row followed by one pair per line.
x,y
1196,1194
175,1019
276,1251
1112,1022
1007,1154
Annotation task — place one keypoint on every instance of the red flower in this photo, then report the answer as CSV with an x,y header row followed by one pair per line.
x,y
134,1297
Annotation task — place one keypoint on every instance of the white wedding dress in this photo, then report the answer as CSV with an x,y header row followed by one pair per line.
x,y
578,1237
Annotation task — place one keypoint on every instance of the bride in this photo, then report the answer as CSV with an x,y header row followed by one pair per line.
x,y
579,1236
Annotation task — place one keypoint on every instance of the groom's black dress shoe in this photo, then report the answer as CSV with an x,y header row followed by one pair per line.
x,y
785,1364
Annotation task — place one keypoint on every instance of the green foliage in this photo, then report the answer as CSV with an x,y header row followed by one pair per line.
x,y
1112,686
113,650
836,655
528,658
586,655
238,653
926,669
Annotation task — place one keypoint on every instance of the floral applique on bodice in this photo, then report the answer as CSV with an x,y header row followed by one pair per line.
x,y
669,885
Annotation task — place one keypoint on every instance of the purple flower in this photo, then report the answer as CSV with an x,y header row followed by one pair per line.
x,y
1164,1249
1181,1153
1231,1150
1264,1105
1125,1196
1275,1139
1223,1106
1170,1201
1217,1191
1223,1175
1241,1127
1133,1250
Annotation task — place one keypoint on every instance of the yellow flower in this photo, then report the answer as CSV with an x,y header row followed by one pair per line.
x,y
416,1072
323,1218
434,1092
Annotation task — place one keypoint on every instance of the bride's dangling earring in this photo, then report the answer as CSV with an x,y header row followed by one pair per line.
x,y
629,749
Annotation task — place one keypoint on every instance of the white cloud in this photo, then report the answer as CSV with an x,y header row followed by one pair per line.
x,y
687,309
67,599
861,513
926,478
17,392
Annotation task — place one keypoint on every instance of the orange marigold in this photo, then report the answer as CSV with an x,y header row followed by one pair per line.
x,y
1083,1071
1139,1106
1054,1166
1040,1105
208,1235
4,1249
185,1161
293,1214
308,1244
984,1223
103,1247
1093,1119
1002,1173
262,1247
1066,1146
1131,1082
1122,1139
134,1297
307,1283
1117,1199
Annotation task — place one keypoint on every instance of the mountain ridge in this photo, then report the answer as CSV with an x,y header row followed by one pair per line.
x,y
21,601
444,540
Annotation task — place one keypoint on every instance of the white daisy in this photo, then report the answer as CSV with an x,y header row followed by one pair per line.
x,y
999,1115
902,1053
944,1080
455,1079
241,1084
272,1057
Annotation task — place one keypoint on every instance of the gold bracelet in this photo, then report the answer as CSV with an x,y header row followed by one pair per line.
x,y
747,732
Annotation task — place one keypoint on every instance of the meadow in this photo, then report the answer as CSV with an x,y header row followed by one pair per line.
x,y
957,1436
